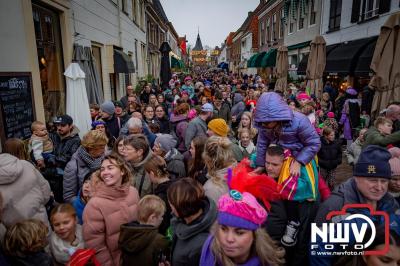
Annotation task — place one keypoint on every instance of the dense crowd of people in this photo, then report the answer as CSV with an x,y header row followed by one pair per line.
x,y
214,169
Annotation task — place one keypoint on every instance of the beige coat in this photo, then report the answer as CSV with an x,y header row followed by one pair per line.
x,y
25,192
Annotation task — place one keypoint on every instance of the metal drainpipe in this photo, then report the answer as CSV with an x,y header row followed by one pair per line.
x,y
119,24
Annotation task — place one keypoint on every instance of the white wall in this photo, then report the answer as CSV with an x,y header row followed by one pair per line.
x,y
99,21
309,31
245,52
13,44
222,56
353,31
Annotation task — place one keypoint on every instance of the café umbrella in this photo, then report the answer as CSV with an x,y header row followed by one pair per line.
x,y
77,100
386,65
282,66
316,65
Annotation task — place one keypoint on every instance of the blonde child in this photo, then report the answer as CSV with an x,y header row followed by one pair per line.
x,y
380,134
25,242
66,237
246,144
40,144
140,242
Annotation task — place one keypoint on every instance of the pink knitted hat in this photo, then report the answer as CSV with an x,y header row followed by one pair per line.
x,y
303,96
240,210
330,115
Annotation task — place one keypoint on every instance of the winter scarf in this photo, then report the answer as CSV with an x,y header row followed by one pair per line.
x,y
93,163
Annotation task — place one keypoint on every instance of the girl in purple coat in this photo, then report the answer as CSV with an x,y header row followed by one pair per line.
x,y
278,124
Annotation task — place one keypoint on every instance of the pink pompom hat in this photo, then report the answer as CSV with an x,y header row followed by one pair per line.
x,y
240,210
303,96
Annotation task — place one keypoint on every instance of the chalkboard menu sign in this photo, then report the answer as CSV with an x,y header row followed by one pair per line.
x,y
16,105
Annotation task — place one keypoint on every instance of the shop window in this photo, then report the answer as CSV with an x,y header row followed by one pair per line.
x,y
335,14
96,51
49,51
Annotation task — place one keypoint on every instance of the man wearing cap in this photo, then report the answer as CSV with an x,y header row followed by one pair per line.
x,y
369,185
120,112
66,140
218,127
124,99
198,126
113,123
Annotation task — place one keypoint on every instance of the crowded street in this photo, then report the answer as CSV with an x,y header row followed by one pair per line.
x,y
211,133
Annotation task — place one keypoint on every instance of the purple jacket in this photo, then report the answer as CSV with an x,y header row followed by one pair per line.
x,y
298,135
208,259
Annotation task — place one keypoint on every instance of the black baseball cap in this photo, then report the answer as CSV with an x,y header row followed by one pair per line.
x,y
64,119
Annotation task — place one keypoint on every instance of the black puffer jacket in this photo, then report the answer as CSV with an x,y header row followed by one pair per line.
x,y
330,154
64,148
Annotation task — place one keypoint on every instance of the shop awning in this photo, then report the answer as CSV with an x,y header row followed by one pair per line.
x,y
343,59
298,45
176,63
269,59
364,61
302,67
250,62
122,62
257,59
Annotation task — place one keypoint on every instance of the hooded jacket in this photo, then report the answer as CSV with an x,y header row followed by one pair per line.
x,y
64,148
25,192
141,181
196,127
175,165
297,133
179,124
142,245
188,239
106,211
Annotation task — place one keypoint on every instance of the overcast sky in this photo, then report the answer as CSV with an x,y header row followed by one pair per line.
x,y
215,18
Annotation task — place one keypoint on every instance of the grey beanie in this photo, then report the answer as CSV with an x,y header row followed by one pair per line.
x,y
166,141
107,107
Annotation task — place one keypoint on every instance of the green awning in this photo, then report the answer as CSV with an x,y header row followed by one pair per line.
x,y
299,45
269,58
176,63
250,62
258,59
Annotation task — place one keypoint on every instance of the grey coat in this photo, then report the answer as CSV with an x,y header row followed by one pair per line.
x,y
197,127
141,181
188,239
175,164
74,175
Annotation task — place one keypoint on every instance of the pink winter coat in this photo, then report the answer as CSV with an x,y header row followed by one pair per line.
x,y
109,208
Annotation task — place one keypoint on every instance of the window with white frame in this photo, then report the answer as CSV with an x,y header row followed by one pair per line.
x,y
262,33
281,24
369,9
267,31
273,37
313,13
